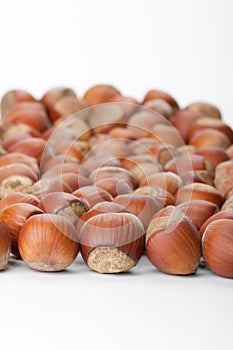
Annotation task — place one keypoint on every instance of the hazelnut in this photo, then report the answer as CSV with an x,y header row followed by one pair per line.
x,y
163,196
161,95
14,129
14,218
210,138
5,245
65,168
12,140
141,122
32,147
228,204
21,181
198,211
166,134
199,191
115,186
47,185
99,208
171,211
143,170
55,94
122,133
104,117
143,206
113,172
117,148
163,152
96,161
173,246
224,214
112,242
12,158
183,121
13,97
64,204
215,124
223,177
100,94
186,149
130,162
18,197
201,176
160,106
142,145
48,242
230,151
65,107
214,155
77,127
59,160
98,139
188,162
206,109
93,195
217,245
34,117
167,180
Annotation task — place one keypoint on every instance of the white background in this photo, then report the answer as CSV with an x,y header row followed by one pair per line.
x,y
183,47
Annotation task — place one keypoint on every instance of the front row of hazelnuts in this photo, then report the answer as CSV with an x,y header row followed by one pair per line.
x,y
113,178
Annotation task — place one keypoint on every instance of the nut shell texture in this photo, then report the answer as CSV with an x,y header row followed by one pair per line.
x,y
217,244
173,247
112,242
48,242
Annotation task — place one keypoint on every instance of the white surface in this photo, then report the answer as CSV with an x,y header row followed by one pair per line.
x,y
184,47
143,309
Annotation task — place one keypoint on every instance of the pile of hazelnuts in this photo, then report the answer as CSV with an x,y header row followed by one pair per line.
x,y
113,177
